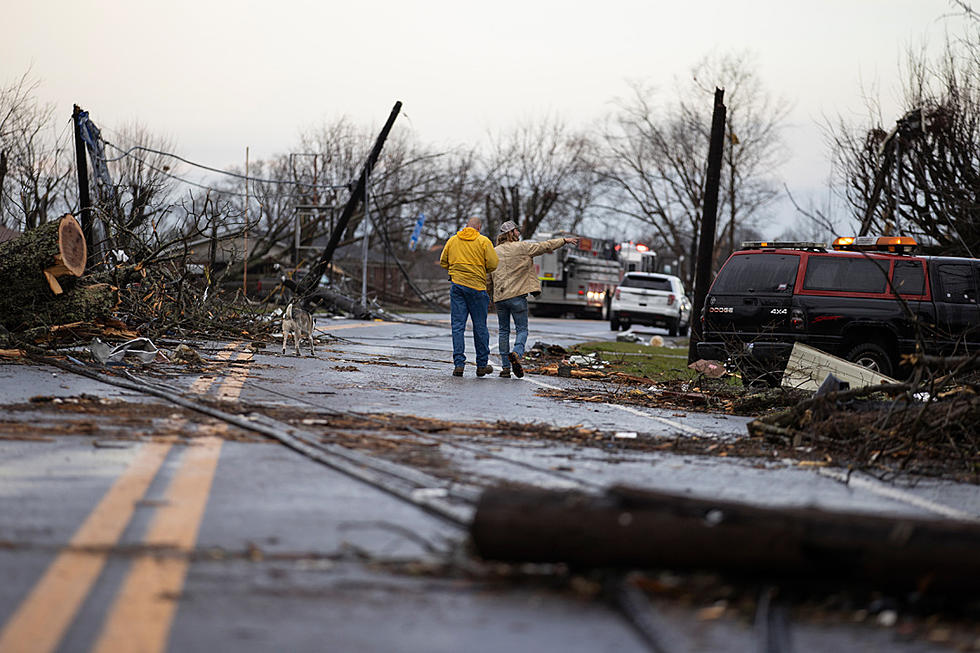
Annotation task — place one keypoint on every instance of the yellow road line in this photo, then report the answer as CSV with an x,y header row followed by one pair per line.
x,y
348,326
43,617
231,388
204,382
142,614
144,608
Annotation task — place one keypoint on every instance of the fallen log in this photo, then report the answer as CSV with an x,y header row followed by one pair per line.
x,y
633,528
34,269
42,255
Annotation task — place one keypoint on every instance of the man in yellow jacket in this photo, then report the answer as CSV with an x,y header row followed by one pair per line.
x,y
469,257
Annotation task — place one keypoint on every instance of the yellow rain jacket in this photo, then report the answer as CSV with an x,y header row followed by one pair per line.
x,y
469,257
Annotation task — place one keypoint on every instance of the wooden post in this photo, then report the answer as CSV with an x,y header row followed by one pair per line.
x,y
84,199
635,528
706,245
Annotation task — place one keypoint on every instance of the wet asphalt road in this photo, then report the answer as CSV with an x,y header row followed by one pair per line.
x,y
276,552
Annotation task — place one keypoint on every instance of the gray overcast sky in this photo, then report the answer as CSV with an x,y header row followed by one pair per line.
x,y
217,75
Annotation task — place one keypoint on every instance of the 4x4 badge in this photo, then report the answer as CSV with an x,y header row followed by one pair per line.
x,y
779,311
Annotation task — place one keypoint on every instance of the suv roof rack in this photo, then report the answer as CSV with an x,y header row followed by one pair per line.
x,y
784,244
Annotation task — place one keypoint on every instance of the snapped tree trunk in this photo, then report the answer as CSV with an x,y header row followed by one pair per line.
x,y
38,274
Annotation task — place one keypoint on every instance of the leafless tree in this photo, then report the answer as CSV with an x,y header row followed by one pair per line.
x,y
35,161
919,173
655,156
540,174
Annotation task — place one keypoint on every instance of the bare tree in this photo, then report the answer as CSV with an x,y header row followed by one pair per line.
x,y
919,174
540,174
35,162
655,156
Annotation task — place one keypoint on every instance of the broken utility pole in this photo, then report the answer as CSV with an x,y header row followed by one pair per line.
x,y
635,528
706,244
307,284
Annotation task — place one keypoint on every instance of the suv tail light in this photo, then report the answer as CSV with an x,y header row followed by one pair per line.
x,y
617,293
797,319
671,298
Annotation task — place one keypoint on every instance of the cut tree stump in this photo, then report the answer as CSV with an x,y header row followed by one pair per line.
x,y
634,528
53,250
38,273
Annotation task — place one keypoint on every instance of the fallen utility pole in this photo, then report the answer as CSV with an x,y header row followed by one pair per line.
x,y
312,279
706,244
635,528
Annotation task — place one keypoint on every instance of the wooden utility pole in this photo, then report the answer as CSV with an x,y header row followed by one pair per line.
x,y
636,528
307,284
706,245
84,200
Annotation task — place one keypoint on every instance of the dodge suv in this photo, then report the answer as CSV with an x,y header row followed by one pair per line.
x,y
868,300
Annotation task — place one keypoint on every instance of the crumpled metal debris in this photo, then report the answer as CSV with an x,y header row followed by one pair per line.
x,y
592,360
142,348
627,336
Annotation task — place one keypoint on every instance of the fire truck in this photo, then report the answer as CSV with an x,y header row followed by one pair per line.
x,y
576,280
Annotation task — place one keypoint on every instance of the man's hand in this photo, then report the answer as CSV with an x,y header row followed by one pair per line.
x,y
572,241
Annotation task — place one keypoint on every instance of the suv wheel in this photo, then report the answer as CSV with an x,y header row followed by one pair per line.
x,y
871,356
672,326
613,321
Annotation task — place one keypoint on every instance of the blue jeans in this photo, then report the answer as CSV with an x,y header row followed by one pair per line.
x,y
463,302
515,307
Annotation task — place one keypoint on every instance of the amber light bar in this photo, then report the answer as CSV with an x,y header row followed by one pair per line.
x,y
894,244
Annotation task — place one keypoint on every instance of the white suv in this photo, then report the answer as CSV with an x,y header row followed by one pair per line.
x,y
649,298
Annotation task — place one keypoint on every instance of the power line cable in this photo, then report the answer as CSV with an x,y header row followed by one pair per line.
x,y
125,153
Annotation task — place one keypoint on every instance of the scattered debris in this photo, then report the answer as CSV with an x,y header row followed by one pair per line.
x,y
142,348
710,369
808,366
628,336
186,354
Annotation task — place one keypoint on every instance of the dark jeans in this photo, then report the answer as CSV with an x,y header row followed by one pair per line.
x,y
515,307
463,302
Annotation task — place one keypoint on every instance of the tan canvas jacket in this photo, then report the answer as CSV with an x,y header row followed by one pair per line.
x,y
515,274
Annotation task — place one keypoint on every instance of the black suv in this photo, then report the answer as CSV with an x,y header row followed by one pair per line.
x,y
866,300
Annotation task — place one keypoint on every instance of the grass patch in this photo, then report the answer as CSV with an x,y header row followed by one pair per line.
x,y
658,363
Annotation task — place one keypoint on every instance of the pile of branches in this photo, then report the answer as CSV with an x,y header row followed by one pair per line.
x,y
166,302
927,425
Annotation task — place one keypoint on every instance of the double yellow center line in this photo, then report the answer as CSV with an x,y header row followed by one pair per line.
x,y
141,615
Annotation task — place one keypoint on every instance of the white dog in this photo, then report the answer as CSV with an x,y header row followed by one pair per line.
x,y
299,323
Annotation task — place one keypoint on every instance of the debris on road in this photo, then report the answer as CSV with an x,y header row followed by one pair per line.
x,y
142,348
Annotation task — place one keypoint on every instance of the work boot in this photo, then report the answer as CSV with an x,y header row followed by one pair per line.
x,y
457,371
515,364
483,371
505,373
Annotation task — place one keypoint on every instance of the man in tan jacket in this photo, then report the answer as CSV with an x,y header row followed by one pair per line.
x,y
513,279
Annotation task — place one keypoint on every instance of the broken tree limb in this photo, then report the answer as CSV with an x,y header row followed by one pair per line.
x,y
634,528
